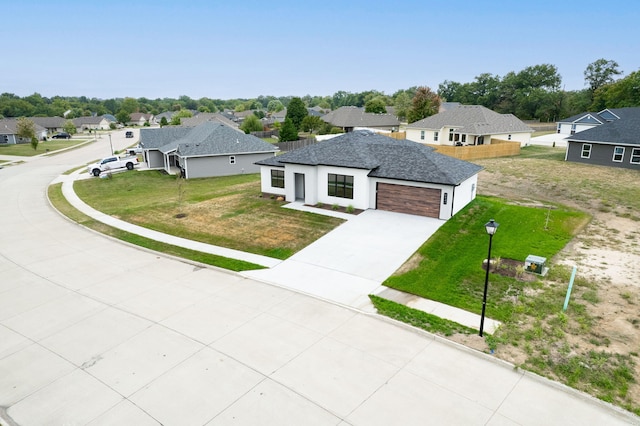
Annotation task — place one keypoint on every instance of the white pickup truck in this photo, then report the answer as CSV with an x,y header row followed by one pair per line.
x,y
112,163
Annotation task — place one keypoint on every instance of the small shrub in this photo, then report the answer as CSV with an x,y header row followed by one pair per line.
x,y
335,207
350,209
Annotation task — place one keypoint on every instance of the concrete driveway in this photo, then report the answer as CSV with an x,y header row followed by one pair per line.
x,y
95,332
352,261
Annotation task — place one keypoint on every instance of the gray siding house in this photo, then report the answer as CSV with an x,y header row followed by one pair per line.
x,y
615,143
210,149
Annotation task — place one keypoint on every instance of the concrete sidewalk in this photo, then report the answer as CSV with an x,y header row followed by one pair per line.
x,y
344,266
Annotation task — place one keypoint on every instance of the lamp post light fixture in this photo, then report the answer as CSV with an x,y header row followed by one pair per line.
x,y
491,227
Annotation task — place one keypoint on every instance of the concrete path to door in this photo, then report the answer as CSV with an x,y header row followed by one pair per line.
x,y
352,261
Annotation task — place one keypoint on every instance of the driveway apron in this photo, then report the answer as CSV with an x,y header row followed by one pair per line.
x,y
352,260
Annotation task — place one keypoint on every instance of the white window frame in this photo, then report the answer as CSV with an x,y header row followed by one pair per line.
x,y
635,153
585,145
615,154
435,136
421,135
232,159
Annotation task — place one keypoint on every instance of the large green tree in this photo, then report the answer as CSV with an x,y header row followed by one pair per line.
x,y
274,106
123,116
375,106
69,127
288,131
425,103
296,112
600,72
251,123
312,123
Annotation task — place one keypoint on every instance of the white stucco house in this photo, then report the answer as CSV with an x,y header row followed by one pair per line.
x,y
468,125
366,170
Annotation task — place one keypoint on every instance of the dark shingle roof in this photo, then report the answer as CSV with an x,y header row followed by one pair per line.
x,y
213,138
623,132
157,138
48,122
351,116
473,120
385,157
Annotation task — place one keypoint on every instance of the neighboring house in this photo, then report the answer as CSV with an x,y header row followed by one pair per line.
x,y
615,143
350,118
91,123
366,170
9,130
468,125
139,119
210,149
317,111
204,117
589,120
52,124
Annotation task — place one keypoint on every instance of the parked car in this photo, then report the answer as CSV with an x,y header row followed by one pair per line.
x,y
61,135
134,150
129,134
111,163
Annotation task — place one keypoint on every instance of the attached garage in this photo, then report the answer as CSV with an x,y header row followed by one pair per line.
x,y
408,199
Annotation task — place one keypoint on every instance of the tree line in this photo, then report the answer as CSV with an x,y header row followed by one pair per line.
x,y
534,93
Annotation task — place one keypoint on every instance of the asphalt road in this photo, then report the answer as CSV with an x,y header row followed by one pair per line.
x,y
93,331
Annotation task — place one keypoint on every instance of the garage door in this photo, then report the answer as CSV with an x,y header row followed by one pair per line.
x,y
408,199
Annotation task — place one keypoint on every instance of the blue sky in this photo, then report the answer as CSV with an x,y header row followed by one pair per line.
x,y
243,49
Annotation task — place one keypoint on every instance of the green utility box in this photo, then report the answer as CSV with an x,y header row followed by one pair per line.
x,y
535,264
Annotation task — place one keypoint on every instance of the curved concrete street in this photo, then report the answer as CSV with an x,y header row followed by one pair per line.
x,y
93,331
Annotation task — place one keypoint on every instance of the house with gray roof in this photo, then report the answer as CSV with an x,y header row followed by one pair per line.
x,y
203,117
91,123
468,125
9,132
366,170
209,149
52,124
614,143
588,120
350,118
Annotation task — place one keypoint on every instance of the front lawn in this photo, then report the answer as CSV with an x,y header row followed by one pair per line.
x,y
450,263
25,149
225,211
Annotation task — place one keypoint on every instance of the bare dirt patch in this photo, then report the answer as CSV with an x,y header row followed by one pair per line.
x,y
606,252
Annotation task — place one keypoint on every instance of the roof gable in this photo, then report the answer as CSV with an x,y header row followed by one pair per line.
x,y
473,120
213,138
622,132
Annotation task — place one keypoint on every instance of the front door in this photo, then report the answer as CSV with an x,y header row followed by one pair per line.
x,y
299,178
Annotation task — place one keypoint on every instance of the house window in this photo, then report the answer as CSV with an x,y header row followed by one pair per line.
x,y
450,135
618,154
558,128
480,140
586,150
435,136
445,198
232,159
421,135
573,129
464,138
635,156
340,186
277,178
5,139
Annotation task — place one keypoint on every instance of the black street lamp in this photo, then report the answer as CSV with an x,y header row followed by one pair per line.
x,y
491,227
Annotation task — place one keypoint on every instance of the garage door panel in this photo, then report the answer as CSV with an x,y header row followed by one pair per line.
x,y
408,199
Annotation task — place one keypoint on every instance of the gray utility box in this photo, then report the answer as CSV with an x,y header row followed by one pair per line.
x,y
535,264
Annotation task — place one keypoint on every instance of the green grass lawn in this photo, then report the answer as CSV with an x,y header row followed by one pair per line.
x,y
451,267
225,211
25,149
